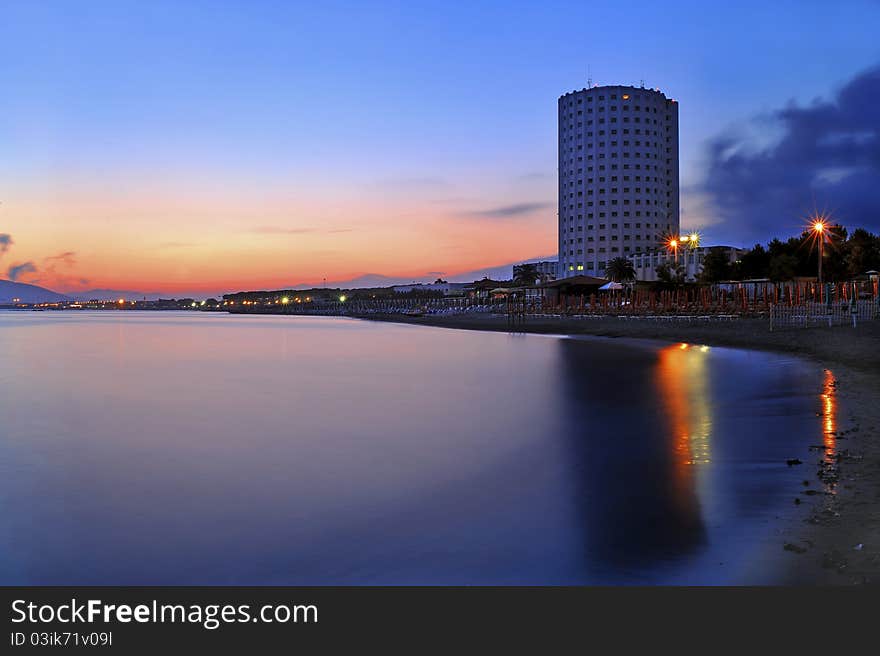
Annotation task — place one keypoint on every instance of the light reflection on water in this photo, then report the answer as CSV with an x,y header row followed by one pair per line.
x,y
683,382
166,448
829,412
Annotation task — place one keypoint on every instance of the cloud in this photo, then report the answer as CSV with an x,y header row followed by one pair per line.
x,y
176,244
67,258
508,211
53,271
15,271
5,242
827,155
281,230
415,182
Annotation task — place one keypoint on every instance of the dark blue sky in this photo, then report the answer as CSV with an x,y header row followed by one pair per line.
x,y
417,125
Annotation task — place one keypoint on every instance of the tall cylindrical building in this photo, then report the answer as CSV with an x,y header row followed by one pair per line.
x,y
618,175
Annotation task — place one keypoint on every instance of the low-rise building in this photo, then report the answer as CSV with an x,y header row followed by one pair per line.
x,y
446,288
547,269
691,260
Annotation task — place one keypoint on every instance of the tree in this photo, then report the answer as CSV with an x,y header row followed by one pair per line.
x,y
525,274
862,252
783,267
620,269
670,275
716,266
754,263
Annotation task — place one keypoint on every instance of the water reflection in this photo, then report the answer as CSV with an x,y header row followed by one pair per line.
x,y
829,412
163,448
682,381
649,511
829,471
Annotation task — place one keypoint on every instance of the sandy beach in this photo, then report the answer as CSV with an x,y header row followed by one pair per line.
x,y
834,538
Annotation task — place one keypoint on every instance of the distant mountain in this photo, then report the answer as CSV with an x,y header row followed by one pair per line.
x,y
370,280
501,272
113,294
27,293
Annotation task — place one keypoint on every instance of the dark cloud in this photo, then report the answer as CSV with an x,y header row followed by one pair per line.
x,y
5,242
508,211
17,270
828,157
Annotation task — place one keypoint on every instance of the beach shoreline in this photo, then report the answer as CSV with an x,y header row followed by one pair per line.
x,y
836,540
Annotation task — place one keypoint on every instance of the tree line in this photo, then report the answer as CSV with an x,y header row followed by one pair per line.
x,y
845,257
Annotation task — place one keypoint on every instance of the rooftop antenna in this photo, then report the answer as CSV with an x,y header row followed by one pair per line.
x,y
589,77
642,83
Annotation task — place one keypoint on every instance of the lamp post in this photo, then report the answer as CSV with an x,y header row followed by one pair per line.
x,y
819,229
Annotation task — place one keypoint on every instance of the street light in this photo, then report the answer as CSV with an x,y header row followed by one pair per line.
x,y
673,244
820,229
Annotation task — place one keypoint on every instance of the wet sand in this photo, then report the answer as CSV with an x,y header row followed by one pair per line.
x,y
834,537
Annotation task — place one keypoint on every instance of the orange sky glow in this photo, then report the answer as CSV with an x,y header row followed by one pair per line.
x,y
178,240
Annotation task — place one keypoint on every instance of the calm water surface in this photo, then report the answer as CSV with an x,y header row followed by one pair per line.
x,y
177,448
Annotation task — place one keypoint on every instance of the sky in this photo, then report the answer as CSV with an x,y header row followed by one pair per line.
x,y
210,146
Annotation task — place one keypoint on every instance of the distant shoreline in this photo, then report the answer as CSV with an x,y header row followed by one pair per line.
x,y
822,548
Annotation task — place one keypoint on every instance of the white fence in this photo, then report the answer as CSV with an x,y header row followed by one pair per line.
x,y
807,315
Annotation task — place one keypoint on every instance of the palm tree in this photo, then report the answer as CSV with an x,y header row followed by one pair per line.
x,y
526,274
620,269
670,275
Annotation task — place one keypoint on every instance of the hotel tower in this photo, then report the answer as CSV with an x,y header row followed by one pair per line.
x,y
618,175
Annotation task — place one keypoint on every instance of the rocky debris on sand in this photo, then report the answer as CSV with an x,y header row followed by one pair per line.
x,y
796,548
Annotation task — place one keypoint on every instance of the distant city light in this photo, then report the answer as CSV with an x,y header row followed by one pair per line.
x,y
121,301
285,300
342,299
